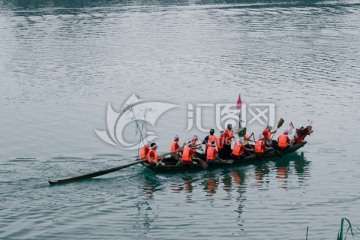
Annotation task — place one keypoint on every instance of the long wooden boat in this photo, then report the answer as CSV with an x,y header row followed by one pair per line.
x,y
170,165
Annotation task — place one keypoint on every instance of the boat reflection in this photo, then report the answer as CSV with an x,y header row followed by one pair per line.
x,y
210,185
262,175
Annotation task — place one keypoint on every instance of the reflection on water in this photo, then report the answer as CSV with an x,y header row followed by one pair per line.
x,y
236,180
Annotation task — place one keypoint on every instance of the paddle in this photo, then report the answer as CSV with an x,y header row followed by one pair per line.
x,y
280,123
99,173
203,164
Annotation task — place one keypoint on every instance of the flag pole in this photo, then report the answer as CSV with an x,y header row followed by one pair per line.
x,y
238,106
240,119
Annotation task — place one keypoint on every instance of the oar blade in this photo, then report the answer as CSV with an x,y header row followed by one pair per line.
x,y
280,123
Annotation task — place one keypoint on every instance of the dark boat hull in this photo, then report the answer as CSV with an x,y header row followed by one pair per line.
x,y
169,164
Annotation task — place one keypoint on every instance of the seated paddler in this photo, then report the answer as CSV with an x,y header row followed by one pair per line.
x,y
284,140
144,151
188,154
238,151
153,155
175,149
211,154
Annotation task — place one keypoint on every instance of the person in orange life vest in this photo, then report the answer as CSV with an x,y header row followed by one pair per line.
x,y
220,144
228,135
188,154
260,146
152,155
175,146
210,138
284,140
175,149
239,149
211,154
267,136
144,151
248,147
194,143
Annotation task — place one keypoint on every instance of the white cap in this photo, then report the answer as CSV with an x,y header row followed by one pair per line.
x,y
176,137
286,131
269,127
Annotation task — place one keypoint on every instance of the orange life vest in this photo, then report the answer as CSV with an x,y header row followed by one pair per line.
x,y
144,152
187,154
283,141
212,138
246,137
267,134
220,142
228,134
175,146
259,147
152,154
238,149
211,153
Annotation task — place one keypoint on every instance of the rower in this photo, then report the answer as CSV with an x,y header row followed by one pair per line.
x,y
248,147
194,143
284,140
267,135
211,154
187,155
239,149
144,151
175,146
220,144
209,139
152,155
260,147
246,139
228,135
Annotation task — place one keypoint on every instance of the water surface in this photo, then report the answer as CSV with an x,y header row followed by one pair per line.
x,y
61,63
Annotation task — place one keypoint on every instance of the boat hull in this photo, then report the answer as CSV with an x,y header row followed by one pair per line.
x,y
169,164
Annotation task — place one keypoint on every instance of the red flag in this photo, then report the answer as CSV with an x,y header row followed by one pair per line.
x,y
239,102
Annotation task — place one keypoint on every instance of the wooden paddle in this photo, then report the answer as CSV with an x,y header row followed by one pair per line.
x,y
280,123
203,164
102,172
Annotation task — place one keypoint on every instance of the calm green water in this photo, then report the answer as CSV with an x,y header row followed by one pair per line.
x,y
62,62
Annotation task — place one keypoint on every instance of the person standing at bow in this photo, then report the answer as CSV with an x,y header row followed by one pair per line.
x,y
284,140
260,147
239,150
228,136
153,155
211,154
